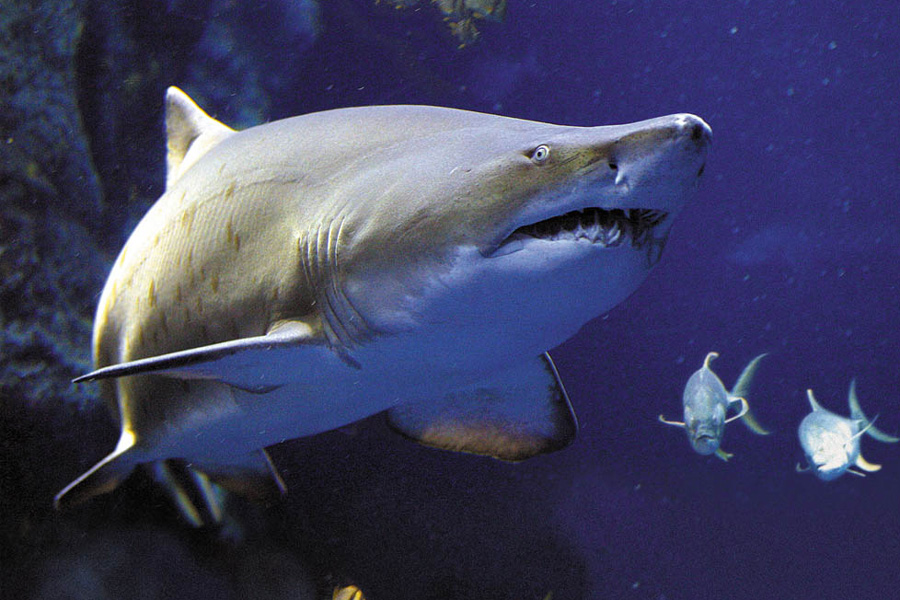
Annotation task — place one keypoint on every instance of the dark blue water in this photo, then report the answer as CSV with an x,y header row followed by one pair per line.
x,y
790,248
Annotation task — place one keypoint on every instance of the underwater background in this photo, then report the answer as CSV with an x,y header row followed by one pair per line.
x,y
790,248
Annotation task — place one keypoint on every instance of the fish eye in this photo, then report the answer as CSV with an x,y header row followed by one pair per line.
x,y
540,154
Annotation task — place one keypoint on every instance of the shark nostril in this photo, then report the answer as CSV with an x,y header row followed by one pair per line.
x,y
613,166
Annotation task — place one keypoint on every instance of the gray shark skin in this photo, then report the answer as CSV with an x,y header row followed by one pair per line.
x,y
307,273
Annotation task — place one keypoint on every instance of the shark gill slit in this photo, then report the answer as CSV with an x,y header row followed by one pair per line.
x,y
326,253
356,326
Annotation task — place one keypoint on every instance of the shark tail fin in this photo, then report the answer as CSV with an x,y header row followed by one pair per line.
x,y
190,133
741,387
102,478
856,412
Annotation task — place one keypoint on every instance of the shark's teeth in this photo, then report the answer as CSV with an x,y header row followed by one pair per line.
x,y
609,228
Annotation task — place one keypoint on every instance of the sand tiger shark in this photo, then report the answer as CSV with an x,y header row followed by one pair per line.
x,y
306,273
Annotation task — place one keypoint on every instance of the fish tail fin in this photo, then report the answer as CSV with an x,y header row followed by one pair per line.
x,y
741,387
102,478
856,412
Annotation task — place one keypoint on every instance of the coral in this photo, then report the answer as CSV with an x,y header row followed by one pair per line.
x,y
42,142
462,15
49,267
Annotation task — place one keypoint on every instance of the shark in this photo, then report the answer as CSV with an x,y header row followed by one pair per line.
x,y
831,442
416,261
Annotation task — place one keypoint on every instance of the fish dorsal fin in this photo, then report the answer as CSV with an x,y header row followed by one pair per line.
x,y
709,358
519,413
812,401
190,133
856,412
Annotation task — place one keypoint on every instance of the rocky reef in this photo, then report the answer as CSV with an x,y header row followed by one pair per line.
x,y
81,159
463,16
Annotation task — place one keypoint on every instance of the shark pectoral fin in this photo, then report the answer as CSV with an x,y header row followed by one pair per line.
x,y
723,455
102,478
256,364
676,423
866,465
252,475
515,415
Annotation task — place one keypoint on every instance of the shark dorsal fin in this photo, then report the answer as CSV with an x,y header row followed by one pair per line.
x,y
190,133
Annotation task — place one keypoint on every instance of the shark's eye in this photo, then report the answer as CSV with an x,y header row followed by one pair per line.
x,y
540,154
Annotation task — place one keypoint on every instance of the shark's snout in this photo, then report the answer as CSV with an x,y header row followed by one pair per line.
x,y
695,128
699,133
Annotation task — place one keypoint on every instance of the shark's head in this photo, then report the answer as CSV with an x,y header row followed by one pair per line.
x,y
515,227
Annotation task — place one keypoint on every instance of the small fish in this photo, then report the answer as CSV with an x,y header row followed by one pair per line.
x,y
831,442
706,404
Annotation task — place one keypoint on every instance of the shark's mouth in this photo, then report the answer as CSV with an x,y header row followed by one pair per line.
x,y
608,228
